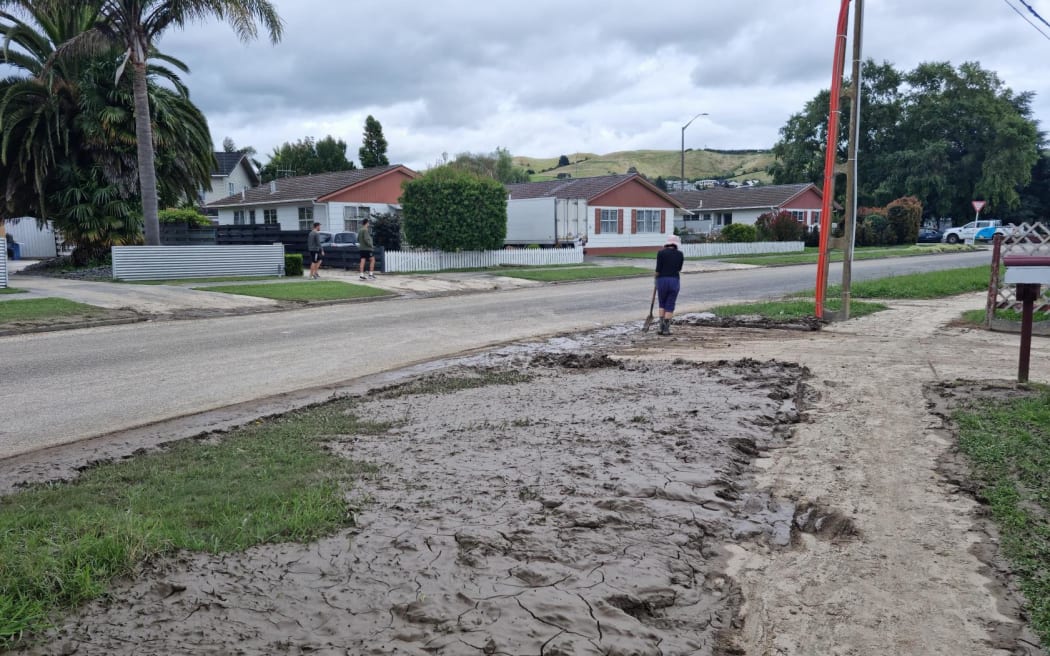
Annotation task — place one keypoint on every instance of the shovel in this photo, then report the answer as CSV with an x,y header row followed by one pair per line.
x,y
649,319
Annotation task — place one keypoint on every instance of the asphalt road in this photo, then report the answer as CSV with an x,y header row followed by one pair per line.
x,y
67,386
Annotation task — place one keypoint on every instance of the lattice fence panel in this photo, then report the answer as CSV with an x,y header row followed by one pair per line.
x,y
1027,239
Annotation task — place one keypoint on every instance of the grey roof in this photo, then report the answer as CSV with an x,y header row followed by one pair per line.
x,y
586,188
226,163
305,187
726,198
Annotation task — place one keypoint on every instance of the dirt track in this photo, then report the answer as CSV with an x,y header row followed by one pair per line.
x,y
643,504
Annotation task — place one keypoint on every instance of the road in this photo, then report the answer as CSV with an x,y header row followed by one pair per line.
x,y
67,386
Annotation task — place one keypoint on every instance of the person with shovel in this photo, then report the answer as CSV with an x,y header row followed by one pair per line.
x,y
669,263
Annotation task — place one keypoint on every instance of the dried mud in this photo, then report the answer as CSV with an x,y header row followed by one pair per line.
x,y
560,503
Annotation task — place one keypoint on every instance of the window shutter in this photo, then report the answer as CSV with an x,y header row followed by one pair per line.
x,y
663,221
619,221
634,222
597,221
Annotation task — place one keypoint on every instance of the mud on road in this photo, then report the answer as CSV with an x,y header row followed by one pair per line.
x,y
744,490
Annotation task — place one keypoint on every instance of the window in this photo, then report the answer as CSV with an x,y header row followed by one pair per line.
x,y
251,217
238,217
352,217
648,220
230,188
799,215
727,219
270,217
610,221
306,218
814,217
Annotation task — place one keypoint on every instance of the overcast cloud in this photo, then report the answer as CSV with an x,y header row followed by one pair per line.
x,y
545,78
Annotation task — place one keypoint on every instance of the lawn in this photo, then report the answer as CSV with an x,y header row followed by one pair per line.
x,y
809,255
1008,443
306,290
578,273
197,281
11,290
61,545
792,309
34,309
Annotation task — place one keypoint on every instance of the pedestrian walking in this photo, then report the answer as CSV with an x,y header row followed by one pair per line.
x,y
669,263
316,250
366,251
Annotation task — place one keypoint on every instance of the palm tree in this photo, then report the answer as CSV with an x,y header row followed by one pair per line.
x,y
136,25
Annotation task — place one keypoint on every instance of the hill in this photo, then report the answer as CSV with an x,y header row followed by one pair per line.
x,y
728,164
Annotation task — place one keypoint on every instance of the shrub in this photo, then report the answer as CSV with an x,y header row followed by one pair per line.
x,y
187,215
813,237
454,210
875,230
780,226
904,216
293,265
739,232
386,231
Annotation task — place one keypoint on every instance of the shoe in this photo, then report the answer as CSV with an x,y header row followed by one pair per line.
x,y
371,277
363,277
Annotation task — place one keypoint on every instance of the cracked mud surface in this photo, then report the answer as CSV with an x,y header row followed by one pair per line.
x,y
578,509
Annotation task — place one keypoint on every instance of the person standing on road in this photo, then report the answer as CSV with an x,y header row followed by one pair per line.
x,y
313,245
365,249
669,263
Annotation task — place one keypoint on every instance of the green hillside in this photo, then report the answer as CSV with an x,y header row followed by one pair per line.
x,y
739,165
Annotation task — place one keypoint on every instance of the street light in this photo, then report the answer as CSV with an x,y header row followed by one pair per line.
x,y
683,145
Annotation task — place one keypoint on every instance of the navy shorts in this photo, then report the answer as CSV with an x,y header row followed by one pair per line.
x,y
667,292
315,256
365,254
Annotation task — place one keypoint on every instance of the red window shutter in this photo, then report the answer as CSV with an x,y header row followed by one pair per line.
x,y
634,222
597,221
663,221
619,221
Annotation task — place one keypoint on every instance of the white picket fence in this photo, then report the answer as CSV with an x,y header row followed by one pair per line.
x,y
402,261
752,248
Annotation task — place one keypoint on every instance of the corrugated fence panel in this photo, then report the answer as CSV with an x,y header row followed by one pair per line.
x,y
170,262
438,260
3,267
752,248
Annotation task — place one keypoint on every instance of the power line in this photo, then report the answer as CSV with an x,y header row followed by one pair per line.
x,y
1034,12
1025,18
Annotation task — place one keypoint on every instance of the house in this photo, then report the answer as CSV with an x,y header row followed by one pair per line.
x,y
610,213
712,209
338,200
233,173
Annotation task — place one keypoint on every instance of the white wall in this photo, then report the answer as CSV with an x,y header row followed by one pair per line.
x,y
220,185
616,240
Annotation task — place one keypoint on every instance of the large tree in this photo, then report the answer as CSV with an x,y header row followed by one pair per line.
x,y
373,149
498,165
306,157
134,26
945,135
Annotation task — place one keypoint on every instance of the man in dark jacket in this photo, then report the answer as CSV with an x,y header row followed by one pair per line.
x,y
669,263
365,251
316,250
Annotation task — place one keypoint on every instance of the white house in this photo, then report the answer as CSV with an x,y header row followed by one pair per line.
x,y
713,209
338,201
232,174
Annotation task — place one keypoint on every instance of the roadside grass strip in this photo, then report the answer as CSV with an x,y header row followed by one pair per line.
x,y
312,290
11,290
976,317
932,284
63,544
861,253
197,281
581,273
32,309
1008,443
792,309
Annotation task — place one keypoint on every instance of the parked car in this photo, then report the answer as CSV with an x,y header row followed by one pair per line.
x,y
971,229
929,236
342,240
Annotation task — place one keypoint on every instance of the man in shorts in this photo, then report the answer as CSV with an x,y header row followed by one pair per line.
x,y
366,251
313,245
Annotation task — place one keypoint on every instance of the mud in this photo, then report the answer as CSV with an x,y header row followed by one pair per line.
x,y
563,503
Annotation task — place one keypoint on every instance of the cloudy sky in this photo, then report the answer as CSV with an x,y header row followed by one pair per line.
x,y
545,78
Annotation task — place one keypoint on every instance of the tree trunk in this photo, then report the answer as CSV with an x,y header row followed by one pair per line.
x,y
147,169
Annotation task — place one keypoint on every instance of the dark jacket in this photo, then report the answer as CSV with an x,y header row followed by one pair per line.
x,y
669,263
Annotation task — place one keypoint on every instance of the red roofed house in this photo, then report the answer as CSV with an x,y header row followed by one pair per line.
x,y
713,209
610,213
338,201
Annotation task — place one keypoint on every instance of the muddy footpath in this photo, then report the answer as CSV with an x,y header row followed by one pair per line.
x,y
747,489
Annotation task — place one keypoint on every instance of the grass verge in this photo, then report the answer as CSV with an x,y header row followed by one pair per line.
x,y
1008,444
11,290
314,290
792,309
61,545
35,309
862,253
197,281
932,284
580,273
976,317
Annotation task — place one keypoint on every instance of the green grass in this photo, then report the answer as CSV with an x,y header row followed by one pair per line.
x,y
976,317
32,309
792,309
932,284
11,290
1008,443
312,290
63,544
811,254
191,281
581,273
